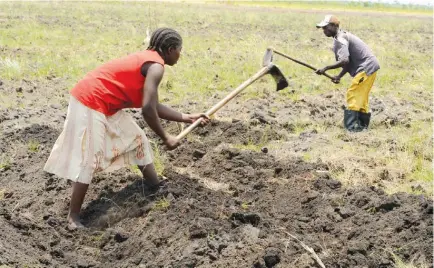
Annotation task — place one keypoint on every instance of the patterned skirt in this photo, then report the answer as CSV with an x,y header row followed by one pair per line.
x,y
92,142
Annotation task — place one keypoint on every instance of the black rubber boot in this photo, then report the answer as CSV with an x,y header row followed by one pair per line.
x,y
364,118
351,121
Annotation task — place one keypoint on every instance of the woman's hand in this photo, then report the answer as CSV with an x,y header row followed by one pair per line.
x,y
171,142
191,118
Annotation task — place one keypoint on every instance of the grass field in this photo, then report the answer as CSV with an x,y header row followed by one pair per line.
x,y
351,6
223,48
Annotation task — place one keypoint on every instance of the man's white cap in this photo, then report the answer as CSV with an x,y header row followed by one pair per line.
x,y
327,20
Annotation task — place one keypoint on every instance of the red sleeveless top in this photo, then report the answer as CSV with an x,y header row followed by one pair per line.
x,y
115,85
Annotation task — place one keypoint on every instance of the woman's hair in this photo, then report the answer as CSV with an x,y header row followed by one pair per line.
x,y
164,38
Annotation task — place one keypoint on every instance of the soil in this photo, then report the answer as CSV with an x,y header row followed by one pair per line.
x,y
222,206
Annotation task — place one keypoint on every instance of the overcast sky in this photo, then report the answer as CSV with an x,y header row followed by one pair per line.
x,y
414,2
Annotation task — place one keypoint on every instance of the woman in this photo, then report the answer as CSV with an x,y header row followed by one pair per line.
x,y
98,135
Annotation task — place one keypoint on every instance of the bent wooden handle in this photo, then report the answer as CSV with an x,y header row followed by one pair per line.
x,y
300,62
231,95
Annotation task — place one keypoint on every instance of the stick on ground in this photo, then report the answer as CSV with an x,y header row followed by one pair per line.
x,y
308,249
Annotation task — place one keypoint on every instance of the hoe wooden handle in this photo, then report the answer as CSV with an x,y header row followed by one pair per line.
x,y
231,95
300,62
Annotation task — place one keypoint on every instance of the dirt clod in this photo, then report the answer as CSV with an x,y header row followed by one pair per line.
x,y
198,153
251,218
121,237
272,257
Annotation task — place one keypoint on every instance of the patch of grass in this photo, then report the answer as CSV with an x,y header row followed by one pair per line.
x,y
10,68
2,196
98,237
417,141
395,158
5,162
415,155
307,157
30,266
159,160
135,169
5,165
300,125
249,146
399,263
339,6
245,205
33,146
211,235
161,204
294,96
371,210
422,173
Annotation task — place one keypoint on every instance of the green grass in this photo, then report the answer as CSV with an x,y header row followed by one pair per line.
x,y
135,169
4,165
399,263
33,146
97,237
159,160
162,204
338,6
250,146
29,266
253,145
10,68
408,160
42,47
5,162
307,157
245,205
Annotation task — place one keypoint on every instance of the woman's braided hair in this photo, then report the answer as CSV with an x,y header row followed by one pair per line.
x,y
164,38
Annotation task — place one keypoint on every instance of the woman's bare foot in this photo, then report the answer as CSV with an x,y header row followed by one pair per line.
x,y
150,175
74,222
78,192
152,181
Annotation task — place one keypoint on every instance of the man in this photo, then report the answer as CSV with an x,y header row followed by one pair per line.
x,y
354,57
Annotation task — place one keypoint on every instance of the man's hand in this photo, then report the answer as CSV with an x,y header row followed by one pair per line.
x,y
191,118
171,142
321,71
336,79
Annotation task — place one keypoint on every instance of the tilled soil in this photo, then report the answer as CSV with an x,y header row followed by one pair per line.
x,y
222,206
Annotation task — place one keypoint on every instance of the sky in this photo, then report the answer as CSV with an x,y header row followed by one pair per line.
x,y
414,2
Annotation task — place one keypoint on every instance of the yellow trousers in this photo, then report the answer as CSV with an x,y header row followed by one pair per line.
x,y
358,93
